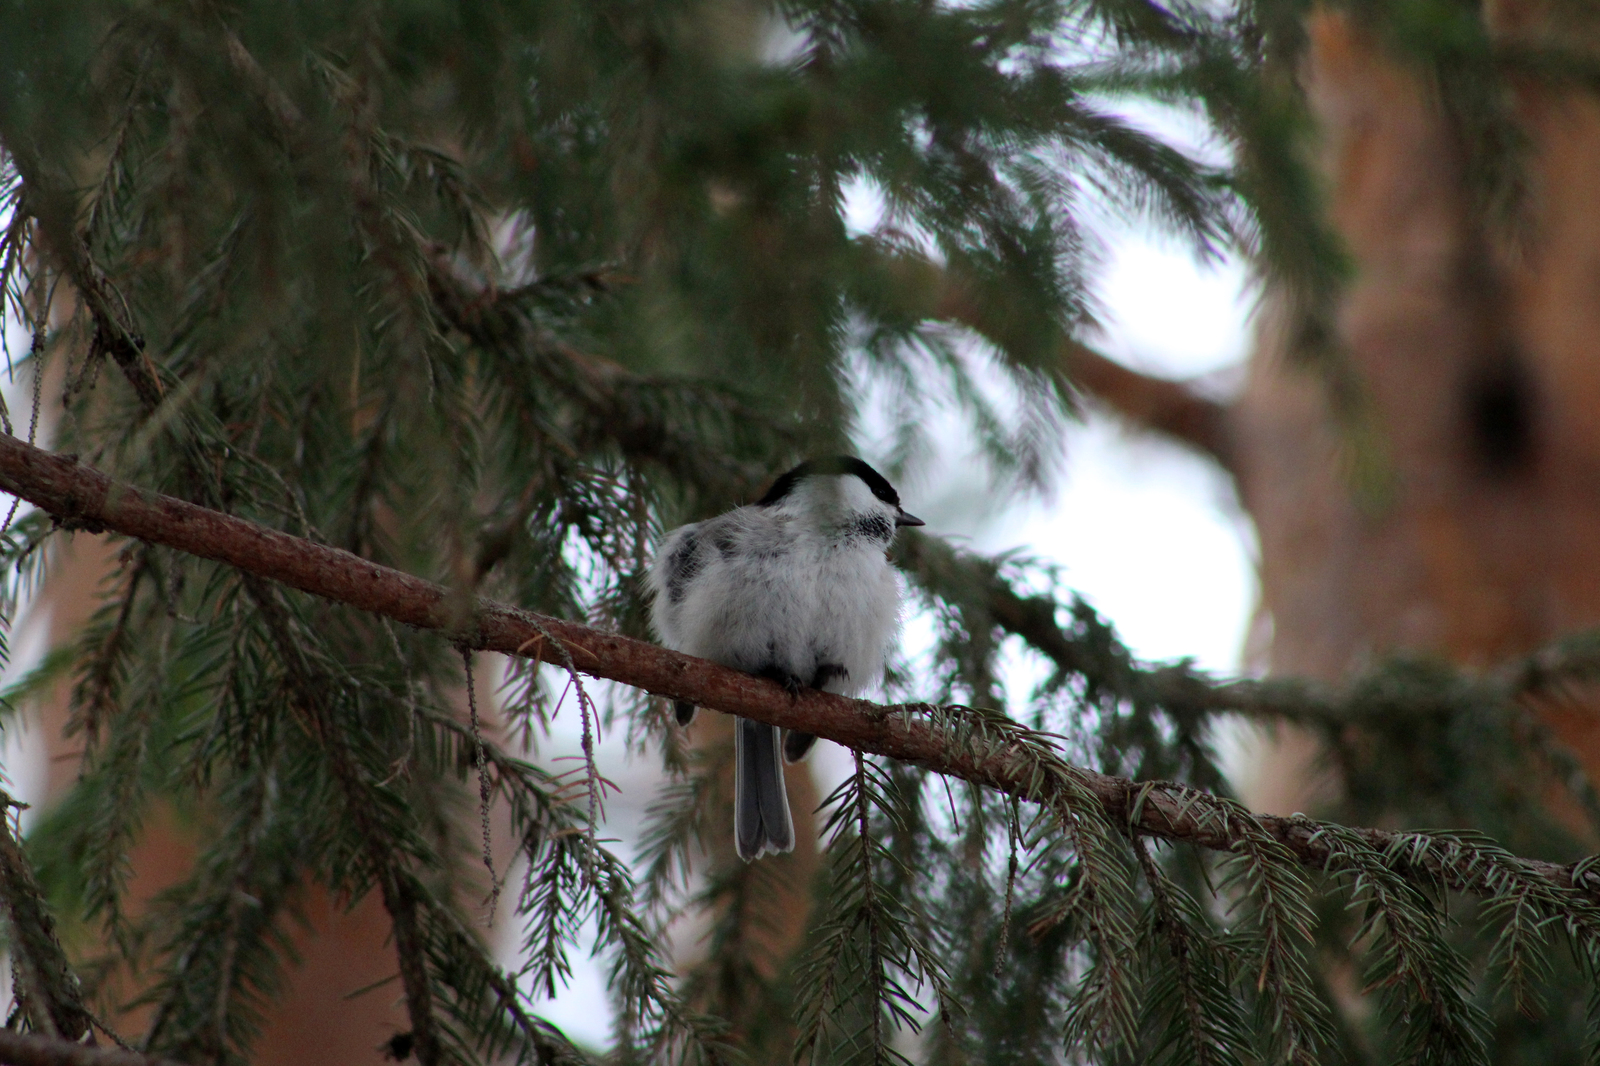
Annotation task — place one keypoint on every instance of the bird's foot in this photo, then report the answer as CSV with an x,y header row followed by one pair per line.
x,y
827,672
791,684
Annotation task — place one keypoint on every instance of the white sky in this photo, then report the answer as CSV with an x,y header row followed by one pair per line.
x,y
1146,530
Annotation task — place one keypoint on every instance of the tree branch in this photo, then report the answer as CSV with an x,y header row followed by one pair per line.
x,y
399,898
55,210
1017,764
1161,405
31,1049
47,988
1171,408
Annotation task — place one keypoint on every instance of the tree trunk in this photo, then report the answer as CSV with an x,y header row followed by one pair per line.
x,y
1468,524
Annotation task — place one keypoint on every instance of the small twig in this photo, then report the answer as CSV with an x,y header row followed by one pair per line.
x,y
592,777
480,760
591,770
1013,832
116,1037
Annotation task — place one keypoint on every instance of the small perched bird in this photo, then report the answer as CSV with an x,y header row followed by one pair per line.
x,y
795,587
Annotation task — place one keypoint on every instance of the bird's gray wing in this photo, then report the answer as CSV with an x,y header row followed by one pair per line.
x,y
681,556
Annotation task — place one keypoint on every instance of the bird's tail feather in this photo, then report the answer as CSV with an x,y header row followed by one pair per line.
x,y
761,820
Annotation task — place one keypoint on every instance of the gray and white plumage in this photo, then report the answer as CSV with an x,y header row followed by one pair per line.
x,y
796,588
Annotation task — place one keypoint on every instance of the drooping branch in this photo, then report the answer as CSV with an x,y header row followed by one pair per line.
x,y
1017,764
52,206
393,884
31,1049
605,393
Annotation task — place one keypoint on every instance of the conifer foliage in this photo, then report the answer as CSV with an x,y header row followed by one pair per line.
x,y
489,294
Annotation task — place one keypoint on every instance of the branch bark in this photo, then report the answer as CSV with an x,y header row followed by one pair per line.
x,y
81,497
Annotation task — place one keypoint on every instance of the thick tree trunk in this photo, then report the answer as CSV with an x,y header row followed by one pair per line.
x,y
1468,524
1432,539
1459,514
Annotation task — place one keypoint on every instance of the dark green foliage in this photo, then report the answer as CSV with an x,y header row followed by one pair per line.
x,y
492,293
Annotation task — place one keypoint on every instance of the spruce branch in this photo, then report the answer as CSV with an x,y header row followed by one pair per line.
x,y
1017,762
1422,977
1079,643
871,942
650,419
1205,1028
480,761
53,207
50,992
870,911
32,1049
396,886
1276,895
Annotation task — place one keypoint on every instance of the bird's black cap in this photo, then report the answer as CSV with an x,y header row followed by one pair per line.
x,y
833,464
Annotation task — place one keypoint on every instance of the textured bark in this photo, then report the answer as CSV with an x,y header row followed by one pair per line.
x,y
1429,541
1465,522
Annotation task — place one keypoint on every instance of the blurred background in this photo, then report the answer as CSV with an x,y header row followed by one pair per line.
x,y
1306,389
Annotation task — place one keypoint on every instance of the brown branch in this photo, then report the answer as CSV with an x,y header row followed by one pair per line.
x,y
55,209
47,988
81,497
31,1049
1172,408
1161,405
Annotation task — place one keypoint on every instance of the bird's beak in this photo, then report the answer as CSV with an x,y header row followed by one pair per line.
x,y
903,519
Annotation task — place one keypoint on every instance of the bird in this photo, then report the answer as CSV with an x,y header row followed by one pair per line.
x,y
797,588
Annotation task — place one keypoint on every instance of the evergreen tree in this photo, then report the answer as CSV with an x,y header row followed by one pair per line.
x,y
490,294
